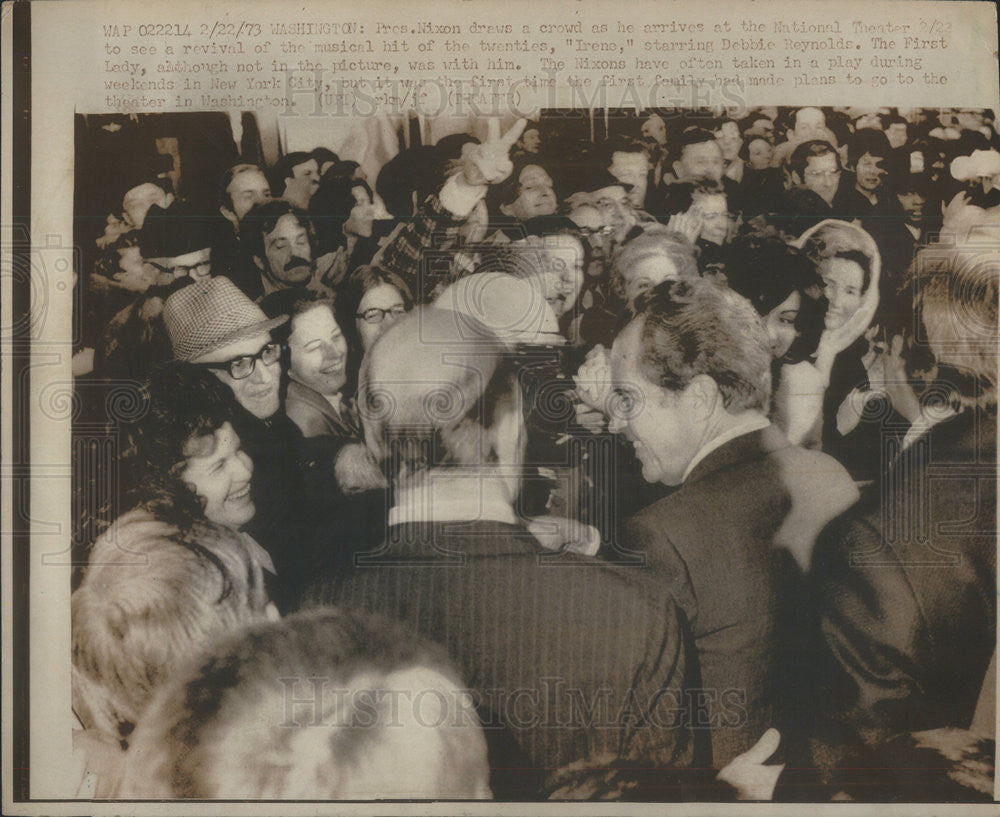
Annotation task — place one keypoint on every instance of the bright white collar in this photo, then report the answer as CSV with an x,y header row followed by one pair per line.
x,y
449,498
336,401
753,421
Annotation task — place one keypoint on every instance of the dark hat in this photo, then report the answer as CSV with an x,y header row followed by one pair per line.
x,y
595,178
174,231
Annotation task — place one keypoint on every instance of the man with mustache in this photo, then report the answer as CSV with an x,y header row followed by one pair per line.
x,y
280,240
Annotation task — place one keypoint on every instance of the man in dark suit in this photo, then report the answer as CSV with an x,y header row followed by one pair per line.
x,y
579,661
906,581
691,372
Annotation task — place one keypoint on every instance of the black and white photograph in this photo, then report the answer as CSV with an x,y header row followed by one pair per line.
x,y
499,408
640,455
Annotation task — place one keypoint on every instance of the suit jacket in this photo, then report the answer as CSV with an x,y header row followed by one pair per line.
x,y
579,660
721,545
906,587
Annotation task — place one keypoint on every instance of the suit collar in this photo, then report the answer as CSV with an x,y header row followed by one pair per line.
x,y
745,448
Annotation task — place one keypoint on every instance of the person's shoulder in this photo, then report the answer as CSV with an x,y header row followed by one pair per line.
x,y
817,477
305,408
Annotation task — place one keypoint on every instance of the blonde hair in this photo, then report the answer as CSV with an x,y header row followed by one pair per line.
x,y
325,704
153,596
955,298
654,242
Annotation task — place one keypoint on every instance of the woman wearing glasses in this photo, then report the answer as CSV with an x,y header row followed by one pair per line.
x,y
371,301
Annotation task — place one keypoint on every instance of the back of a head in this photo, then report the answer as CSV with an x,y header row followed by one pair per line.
x,y
513,309
956,291
323,705
153,597
435,383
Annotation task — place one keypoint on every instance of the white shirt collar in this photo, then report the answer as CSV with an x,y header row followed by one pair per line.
x,y
925,422
476,498
336,401
753,421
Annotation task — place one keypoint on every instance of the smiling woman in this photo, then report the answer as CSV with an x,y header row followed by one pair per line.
x,y
186,456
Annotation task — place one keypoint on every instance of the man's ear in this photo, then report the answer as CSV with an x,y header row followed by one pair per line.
x,y
701,395
259,262
505,209
796,178
230,216
678,170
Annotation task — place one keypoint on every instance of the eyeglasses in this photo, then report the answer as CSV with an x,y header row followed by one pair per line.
x,y
593,232
243,366
376,315
180,271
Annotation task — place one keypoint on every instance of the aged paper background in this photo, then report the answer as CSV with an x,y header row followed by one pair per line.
x,y
381,58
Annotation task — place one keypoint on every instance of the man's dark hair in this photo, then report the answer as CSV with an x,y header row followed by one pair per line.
x,y
323,155
261,220
693,327
693,135
894,119
284,169
619,144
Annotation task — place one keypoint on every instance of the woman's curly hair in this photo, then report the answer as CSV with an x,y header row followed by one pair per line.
x,y
181,401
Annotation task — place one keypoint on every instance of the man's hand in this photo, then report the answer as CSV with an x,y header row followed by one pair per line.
x,y
889,375
593,379
688,224
747,772
489,163
559,533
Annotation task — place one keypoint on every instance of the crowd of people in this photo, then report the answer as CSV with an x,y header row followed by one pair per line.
x,y
661,468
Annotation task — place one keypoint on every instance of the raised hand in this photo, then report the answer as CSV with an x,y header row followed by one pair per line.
x,y
950,212
593,379
687,224
489,163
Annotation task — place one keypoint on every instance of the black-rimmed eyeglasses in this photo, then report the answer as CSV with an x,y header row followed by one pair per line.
x,y
376,315
243,366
